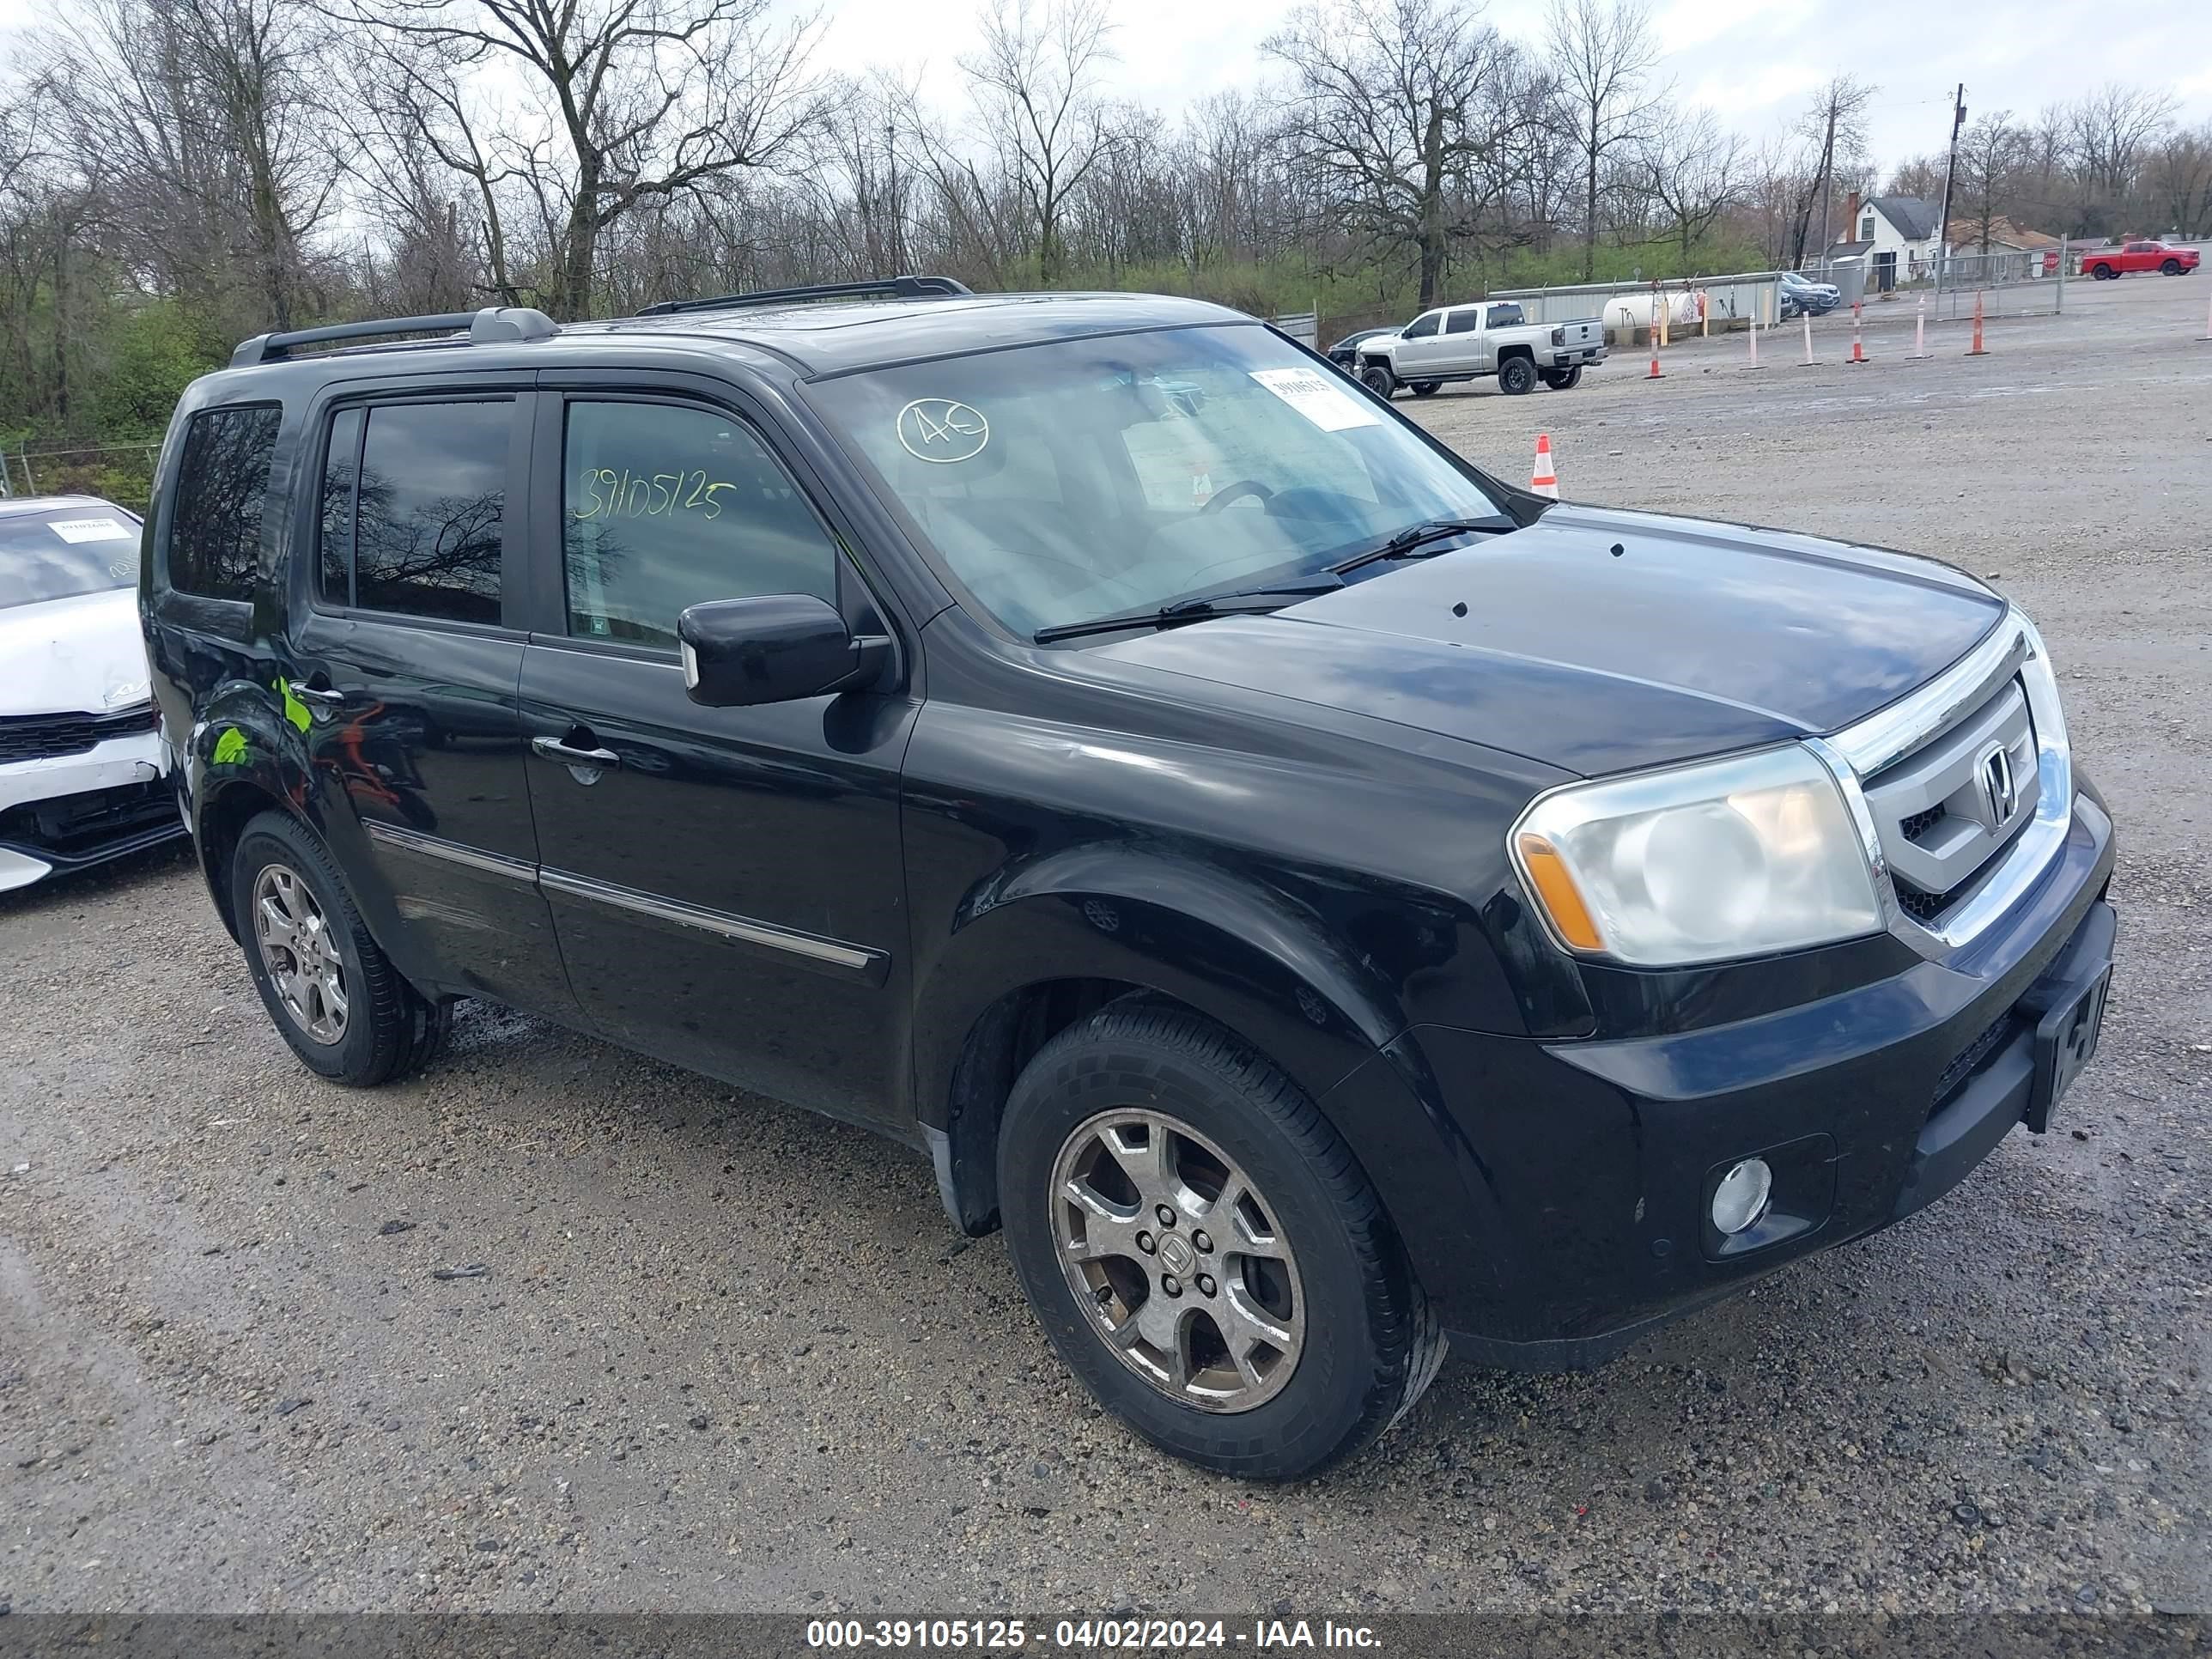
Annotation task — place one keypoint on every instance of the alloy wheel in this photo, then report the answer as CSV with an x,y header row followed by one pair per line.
x,y
299,955
1175,1255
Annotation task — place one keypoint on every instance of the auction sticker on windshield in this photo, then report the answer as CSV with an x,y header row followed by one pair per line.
x,y
1330,408
91,530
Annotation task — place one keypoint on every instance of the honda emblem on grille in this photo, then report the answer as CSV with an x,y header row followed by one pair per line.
x,y
1998,787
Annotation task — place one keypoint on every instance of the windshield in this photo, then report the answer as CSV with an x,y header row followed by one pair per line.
x,y
1080,478
60,554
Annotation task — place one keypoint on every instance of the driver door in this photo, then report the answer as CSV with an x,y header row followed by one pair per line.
x,y
1423,347
727,885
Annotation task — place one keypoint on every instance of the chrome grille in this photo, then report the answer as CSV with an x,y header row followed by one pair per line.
x,y
1945,811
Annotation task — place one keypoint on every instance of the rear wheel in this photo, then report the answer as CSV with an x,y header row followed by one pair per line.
x,y
1378,380
2170,268
335,996
1203,1251
1563,379
1516,375
2103,273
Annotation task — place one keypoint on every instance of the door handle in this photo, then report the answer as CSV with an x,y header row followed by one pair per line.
x,y
319,697
553,749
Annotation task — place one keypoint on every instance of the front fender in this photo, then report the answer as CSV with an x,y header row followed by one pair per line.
x,y
1167,921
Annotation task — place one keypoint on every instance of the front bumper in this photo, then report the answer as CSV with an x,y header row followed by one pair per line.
x,y
73,811
1589,1166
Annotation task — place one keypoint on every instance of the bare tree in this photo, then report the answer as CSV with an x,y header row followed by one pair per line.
x,y
205,123
1395,108
1836,122
645,99
1696,172
1601,53
1036,83
1990,152
2180,173
2112,129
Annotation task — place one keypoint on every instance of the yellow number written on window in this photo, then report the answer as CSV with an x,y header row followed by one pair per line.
x,y
627,495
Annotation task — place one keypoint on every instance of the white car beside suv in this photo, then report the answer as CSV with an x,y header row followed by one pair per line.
x,y
83,768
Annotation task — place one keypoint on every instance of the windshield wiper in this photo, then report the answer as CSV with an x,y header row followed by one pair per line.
x,y
1409,540
1237,601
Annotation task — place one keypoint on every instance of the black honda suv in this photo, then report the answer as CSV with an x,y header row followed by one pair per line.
x,y
1317,896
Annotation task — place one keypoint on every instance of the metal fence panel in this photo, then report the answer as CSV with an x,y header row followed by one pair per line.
x,y
1303,326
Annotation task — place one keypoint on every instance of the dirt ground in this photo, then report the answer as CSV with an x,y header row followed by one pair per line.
x,y
730,1357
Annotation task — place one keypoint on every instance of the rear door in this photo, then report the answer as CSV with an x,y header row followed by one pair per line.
x,y
1464,351
727,883
403,663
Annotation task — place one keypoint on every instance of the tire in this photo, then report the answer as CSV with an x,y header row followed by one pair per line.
x,y
1425,388
1366,1340
2170,268
1379,380
2103,273
374,1027
1563,380
1516,375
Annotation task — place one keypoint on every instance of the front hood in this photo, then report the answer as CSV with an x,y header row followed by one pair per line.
x,y
1693,639
80,655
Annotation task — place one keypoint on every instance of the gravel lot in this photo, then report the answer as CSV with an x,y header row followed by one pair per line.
x,y
727,1356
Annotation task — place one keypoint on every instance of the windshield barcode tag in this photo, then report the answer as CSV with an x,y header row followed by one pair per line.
x,y
1308,390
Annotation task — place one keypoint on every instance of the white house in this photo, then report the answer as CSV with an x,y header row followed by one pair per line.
x,y
1898,236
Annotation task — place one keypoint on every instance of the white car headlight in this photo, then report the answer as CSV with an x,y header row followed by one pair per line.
x,y
1729,858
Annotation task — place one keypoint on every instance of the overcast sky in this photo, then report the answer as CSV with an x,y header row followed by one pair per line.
x,y
1754,61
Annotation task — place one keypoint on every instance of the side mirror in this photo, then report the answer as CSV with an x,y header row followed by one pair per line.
x,y
777,649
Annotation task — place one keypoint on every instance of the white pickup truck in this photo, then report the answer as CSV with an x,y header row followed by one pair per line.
x,y
1491,336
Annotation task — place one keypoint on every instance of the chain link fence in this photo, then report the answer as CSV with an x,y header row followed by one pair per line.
x,y
122,473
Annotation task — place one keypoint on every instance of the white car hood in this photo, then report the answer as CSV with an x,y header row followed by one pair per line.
x,y
76,655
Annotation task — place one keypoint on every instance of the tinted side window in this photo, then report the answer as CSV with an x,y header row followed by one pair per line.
x,y
340,467
664,507
223,480
1464,322
1423,325
433,507
1505,316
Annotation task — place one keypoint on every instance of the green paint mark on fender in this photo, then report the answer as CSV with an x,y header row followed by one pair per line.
x,y
295,710
230,747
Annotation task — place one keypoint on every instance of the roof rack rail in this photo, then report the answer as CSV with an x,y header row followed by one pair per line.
x,y
884,287
493,325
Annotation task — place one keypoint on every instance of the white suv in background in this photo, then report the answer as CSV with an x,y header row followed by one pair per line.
x,y
82,761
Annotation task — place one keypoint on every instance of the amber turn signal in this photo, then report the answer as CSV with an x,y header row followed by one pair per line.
x,y
1556,892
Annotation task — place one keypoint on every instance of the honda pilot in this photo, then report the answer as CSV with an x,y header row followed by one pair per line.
x,y
1317,898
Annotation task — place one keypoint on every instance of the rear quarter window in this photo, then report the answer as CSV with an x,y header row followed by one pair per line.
x,y
223,486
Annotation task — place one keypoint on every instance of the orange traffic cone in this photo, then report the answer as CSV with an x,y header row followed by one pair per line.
x,y
1655,374
1858,335
1976,351
1544,481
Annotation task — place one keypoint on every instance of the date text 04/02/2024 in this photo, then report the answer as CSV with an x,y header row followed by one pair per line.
x,y
1086,1635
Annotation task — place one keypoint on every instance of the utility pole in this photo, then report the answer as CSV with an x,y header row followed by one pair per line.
x,y
891,151
1950,167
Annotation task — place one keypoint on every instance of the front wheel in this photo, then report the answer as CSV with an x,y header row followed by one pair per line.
x,y
2170,268
1563,380
1203,1251
1516,375
1378,380
335,996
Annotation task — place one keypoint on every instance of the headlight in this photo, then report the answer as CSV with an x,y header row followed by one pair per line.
x,y
1730,858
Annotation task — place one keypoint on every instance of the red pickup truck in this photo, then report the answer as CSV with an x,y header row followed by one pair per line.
x,y
2107,263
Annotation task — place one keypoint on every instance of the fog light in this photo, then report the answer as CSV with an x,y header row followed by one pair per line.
x,y
1741,1199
